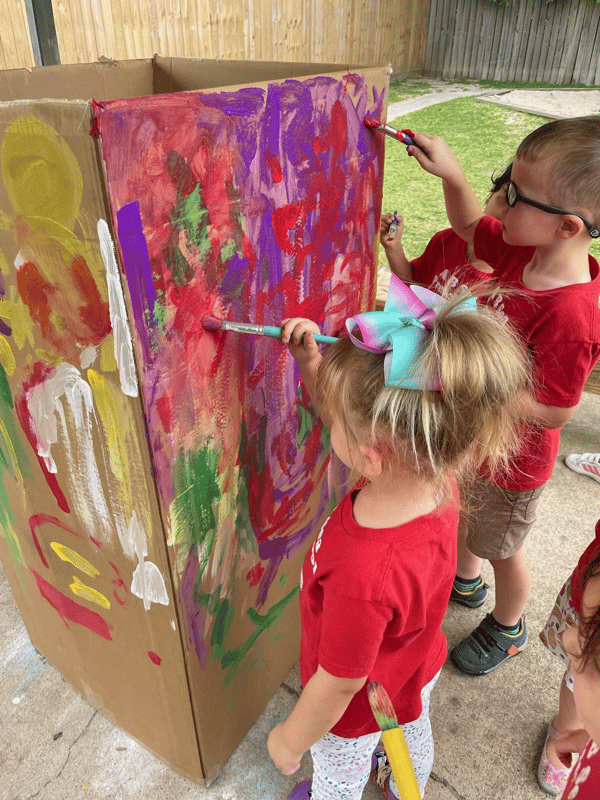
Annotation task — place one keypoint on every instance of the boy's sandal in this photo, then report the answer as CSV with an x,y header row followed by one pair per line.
x,y
551,779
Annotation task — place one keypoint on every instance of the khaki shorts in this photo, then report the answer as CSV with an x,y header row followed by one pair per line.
x,y
498,520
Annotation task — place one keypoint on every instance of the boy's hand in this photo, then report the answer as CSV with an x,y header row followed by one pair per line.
x,y
298,334
387,239
436,157
284,759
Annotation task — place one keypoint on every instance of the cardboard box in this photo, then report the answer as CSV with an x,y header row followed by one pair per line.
x,y
159,482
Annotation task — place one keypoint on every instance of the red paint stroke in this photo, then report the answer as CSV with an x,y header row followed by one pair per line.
x,y
274,165
120,584
25,421
70,611
254,575
155,657
95,313
285,220
336,137
49,301
35,520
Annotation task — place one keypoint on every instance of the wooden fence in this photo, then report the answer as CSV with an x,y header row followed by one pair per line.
x,y
526,40
344,32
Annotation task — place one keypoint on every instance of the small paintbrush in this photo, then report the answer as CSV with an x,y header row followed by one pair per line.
x,y
211,323
393,741
405,136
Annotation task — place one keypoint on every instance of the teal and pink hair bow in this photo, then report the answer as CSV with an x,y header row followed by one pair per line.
x,y
401,331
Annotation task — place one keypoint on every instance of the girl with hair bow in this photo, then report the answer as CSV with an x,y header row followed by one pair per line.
x,y
417,395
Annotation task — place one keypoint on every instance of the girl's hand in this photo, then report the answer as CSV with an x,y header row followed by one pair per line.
x,y
298,334
436,157
284,759
570,742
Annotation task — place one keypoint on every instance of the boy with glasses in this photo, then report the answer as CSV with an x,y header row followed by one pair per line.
x,y
548,289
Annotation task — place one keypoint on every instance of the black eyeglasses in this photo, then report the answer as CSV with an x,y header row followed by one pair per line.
x,y
513,196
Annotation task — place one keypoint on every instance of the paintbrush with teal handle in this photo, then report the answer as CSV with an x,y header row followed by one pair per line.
x,y
211,323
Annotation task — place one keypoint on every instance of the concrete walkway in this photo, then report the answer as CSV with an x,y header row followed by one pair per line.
x,y
54,746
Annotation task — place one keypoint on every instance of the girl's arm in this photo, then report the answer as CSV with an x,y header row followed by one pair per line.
x,y
571,742
308,358
462,206
320,706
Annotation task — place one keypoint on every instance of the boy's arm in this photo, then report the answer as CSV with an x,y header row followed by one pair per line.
x,y
543,415
462,206
320,706
394,250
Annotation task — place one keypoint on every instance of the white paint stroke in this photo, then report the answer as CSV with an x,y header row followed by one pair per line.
x,y
88,356
148,584
50,425
123,347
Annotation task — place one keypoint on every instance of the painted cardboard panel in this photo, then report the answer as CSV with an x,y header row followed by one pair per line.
x,y
254,203
159,484
81,536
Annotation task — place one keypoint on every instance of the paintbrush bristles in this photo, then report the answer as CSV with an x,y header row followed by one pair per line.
x,y
381,706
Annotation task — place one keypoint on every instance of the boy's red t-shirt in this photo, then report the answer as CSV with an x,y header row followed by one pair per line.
x,y
444,264
372,603
561,330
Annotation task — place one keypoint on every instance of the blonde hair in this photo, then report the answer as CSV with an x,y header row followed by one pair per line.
x,y
575,146
482,369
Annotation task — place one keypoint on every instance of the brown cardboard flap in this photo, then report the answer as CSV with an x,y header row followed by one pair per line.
x,y
102,80
195,74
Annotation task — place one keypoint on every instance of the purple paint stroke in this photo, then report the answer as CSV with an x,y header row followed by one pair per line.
x,y
138,271
195,613
266,580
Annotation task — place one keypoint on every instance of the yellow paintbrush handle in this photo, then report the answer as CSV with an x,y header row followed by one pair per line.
x,y
397,753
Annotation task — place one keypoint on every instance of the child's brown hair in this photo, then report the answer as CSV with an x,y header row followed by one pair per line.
x,y
589,626
575,146
482,369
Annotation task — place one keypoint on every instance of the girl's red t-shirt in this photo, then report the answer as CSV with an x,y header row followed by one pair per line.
x,y
372,602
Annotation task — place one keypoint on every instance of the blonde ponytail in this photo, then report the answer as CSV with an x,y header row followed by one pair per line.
x,y
483,372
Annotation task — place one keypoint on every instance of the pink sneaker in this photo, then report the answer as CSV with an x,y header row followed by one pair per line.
x,y
551,779
585,463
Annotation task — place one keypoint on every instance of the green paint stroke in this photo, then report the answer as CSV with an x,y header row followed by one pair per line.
x,y
223,611
15,461
195,481
233,658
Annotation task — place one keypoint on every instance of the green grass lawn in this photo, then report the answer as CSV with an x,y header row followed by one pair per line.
x,y
484,138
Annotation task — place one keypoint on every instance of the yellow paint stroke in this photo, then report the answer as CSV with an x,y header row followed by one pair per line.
x,y
81,590
113,425
17,313
108,362
66,554
16,470
41,173
5,225
4,268
125,457
7,356
48,358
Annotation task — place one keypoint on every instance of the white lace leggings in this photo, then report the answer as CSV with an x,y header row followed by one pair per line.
x,y
341,767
